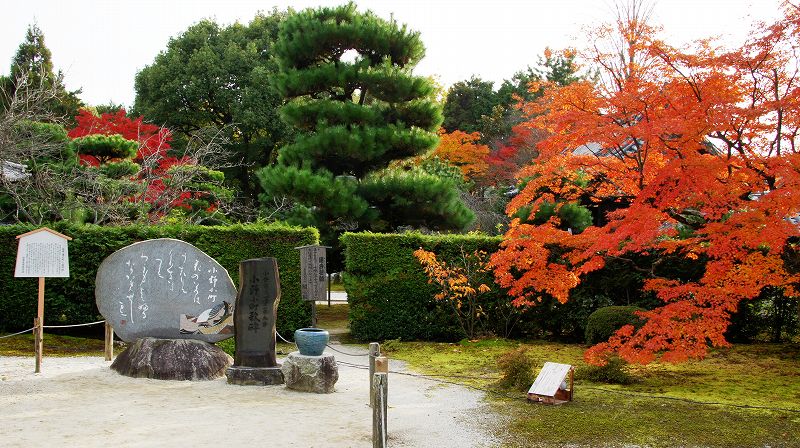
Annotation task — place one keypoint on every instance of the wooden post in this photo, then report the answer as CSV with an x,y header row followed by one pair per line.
x,y
313,314
571,389
329,290
380,392
39,324
374,352
381,364
109,347
37,345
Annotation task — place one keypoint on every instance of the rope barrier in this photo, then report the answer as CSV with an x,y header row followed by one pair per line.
x,y
431,377
74,325
345,353
632,394
18,333
52,326
689,400
282,338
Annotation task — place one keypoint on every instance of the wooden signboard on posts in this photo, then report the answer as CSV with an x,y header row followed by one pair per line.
x,y
551,385
313,276
41,253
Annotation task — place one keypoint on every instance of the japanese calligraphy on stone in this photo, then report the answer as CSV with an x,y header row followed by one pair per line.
x,y
313,273
165,288
256,312
42,254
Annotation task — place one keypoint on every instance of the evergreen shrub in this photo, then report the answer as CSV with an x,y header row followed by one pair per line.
x,y
614,372
602,323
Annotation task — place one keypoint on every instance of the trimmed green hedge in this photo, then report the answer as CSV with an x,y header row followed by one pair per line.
x,y
388,291
71,301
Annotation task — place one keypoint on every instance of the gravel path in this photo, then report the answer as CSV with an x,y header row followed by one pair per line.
x,y
80,402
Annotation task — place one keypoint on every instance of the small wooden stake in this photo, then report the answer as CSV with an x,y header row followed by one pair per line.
x,y
374,352
109,347
380,390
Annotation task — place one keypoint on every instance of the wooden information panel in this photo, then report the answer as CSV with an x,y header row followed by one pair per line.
x,y
313,273
42,253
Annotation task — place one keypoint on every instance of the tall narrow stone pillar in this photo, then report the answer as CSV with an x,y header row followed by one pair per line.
x,y
254,324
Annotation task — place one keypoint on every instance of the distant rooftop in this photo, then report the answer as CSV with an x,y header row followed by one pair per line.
x,y
13,171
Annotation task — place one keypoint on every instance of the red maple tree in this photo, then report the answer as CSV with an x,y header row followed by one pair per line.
x,y
688,157
152,155
153,140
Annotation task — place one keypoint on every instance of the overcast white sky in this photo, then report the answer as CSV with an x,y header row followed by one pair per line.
x,y
101,44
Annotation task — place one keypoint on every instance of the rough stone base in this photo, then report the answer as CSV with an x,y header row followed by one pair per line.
x,y
172,359
254,376
310,373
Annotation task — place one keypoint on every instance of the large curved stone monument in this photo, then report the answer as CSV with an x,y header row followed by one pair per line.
x,y
165,288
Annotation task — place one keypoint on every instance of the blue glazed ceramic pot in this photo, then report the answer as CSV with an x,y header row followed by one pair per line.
x,y
311,341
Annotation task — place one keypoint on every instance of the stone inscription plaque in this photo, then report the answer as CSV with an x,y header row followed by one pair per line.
x,y
165,288
256,313
42,254
313,273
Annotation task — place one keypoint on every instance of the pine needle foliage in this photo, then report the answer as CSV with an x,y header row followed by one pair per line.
x,y
351,93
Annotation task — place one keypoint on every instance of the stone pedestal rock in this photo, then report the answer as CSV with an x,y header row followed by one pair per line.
x,y
310,373
172,359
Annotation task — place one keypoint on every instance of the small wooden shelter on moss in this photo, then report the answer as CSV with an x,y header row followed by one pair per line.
x,y
550,386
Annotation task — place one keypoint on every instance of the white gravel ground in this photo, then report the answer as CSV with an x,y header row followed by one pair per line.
x,y
80,402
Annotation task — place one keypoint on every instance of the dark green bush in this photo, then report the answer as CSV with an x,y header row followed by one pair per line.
x,y
614,372
516,369
605,321
71,300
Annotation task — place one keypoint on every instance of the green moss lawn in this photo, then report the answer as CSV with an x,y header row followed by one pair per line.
x,y
660,409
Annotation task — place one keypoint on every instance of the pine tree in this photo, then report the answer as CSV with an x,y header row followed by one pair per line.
x,y
355,117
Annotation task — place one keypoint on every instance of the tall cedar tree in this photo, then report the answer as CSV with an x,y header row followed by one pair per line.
x,y
693,156
212,76
355,117
33,63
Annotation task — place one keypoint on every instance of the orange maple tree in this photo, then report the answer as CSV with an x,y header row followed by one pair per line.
x,y
684,156
463,150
